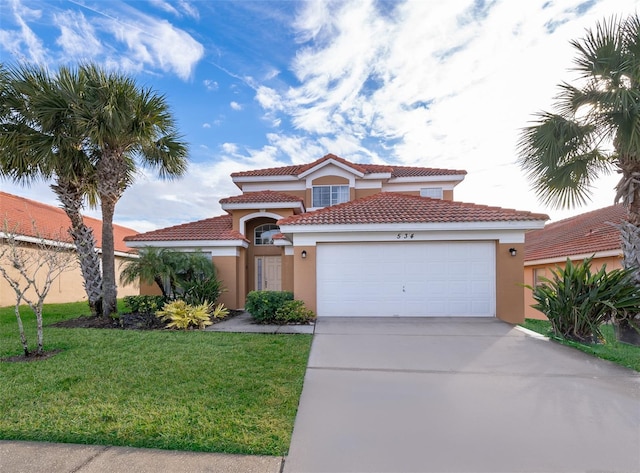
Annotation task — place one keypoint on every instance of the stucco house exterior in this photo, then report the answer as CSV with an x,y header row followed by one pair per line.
x,y
31,220
592,234
362,240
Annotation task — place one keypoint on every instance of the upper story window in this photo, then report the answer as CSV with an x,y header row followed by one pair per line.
x,y
433,192
325,196
263,234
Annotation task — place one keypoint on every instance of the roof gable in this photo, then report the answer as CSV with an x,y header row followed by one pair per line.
x,y
29,217
586,233
391,207
301,170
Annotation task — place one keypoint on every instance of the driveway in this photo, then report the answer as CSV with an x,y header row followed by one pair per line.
x,y
459,395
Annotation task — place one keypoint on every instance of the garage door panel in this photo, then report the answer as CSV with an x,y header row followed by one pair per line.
x,y
406,279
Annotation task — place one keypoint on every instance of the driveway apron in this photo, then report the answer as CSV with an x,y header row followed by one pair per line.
x,y
459,395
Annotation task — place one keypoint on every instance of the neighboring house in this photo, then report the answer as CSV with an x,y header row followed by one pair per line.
x,y
362,240
592,234
30,219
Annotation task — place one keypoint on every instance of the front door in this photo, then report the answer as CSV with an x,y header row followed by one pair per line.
x,y
268,273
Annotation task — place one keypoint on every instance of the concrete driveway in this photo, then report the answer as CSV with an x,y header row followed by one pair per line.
x,y
459,395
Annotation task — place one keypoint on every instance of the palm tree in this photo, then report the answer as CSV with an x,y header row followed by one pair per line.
x,y
38,140
595,129
153,265
126,126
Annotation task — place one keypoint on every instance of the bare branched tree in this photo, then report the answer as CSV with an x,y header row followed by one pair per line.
x,y
30,264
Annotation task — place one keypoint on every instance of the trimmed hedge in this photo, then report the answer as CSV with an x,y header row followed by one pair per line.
x,y
263,305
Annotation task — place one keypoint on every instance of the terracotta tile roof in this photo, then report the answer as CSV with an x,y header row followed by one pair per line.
x,y
391,207
396,171
215,228
586,233
261,197
51,222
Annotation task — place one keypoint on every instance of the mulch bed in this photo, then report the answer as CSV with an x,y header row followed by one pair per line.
x,y
131,321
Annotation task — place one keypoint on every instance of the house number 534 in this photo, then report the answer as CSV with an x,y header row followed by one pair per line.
x,y
404,236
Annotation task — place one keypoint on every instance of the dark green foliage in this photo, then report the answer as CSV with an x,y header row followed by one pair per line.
x,y
294,312
262,305
577,302
201,291
144,304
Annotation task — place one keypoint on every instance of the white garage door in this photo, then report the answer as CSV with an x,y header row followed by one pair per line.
x,y
407,279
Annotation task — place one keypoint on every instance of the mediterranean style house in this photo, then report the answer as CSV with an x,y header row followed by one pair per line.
x,y
589,235
31,220
362,240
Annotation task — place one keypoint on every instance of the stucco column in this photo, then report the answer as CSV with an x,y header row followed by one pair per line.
x,y
509,280
304,270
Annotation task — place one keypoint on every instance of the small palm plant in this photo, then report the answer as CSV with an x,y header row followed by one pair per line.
x,y
577,301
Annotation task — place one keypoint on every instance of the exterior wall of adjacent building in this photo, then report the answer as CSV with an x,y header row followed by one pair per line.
x,y
68,287
532,273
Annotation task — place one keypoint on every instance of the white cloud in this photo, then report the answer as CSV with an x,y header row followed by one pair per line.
x,y
183,8
235,106
77,38
23,43
157,44
206,125
210,85
442,84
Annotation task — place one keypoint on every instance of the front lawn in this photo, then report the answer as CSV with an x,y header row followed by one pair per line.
x,y
199,391
612,350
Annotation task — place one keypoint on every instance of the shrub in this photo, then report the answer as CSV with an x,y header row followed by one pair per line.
x,y
201,291
577,302
220,312
262,305
294,312
144,304
184,316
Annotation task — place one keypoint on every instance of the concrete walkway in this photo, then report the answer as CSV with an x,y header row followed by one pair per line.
x,y
244,323
460,395
41,457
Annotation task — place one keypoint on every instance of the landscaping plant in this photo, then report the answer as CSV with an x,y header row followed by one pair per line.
x,y
262,305
294,312
577,301
178,314
219,312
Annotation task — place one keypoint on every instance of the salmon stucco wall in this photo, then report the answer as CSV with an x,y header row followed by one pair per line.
x,y
545,270
304,282
226,272
68,287
509,290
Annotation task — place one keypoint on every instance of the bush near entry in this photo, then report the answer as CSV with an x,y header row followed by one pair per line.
x,y
263,305
294,312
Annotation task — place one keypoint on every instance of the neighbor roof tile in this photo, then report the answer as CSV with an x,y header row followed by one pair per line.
x,y
391,207
31,218
586,233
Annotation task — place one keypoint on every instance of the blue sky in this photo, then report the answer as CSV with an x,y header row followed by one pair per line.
x,y
256,84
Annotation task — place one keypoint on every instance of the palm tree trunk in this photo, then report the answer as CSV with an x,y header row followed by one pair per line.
x,y
71,198
628,190
110,291
112,173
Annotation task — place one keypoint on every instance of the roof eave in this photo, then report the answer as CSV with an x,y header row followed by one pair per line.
x,y
522,225
191,243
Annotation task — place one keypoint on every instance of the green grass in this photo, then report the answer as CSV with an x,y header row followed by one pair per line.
x,y
612,350
199,391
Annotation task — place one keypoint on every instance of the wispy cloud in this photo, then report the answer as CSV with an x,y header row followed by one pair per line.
x,y
235,106
78,38
23,42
